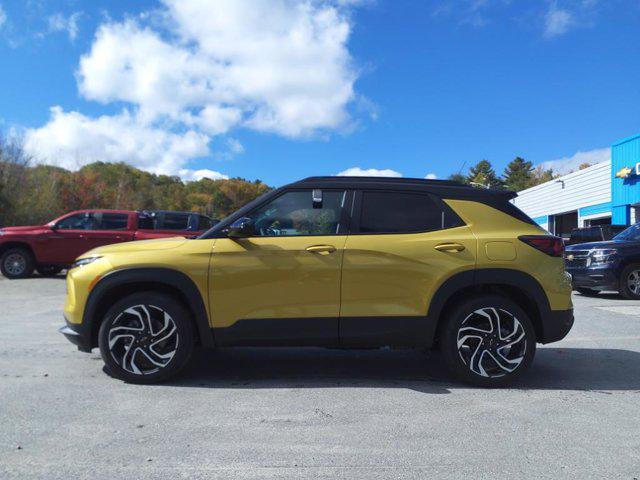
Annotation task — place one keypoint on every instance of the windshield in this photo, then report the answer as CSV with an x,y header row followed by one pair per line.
x,y
631,233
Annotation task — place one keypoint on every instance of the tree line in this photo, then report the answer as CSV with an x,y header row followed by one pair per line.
x,y
518,175
35,194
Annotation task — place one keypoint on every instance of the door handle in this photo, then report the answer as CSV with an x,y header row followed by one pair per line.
x,y
321,249
450,247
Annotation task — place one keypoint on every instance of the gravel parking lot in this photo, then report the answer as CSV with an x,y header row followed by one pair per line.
x,y
308,413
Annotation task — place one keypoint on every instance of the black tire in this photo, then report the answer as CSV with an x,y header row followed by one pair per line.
x,y
122,328
48,270
629,288
17,263
587,292
465,363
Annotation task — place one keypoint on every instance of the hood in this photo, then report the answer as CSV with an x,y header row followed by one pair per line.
x,y
27,229
603,244
138,246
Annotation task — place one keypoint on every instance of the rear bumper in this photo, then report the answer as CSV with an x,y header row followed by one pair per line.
x,y
77,335
556,325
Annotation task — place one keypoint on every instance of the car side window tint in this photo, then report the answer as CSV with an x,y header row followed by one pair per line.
x,y
404,212
113,221
146,222
175,221
204,223
79,221
295,213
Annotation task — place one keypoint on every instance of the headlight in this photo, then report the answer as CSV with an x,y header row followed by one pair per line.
x,y
1,233
600,256
84,261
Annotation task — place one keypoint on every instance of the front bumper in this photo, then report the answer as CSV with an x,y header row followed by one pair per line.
x,y
594,278
77,335
556,325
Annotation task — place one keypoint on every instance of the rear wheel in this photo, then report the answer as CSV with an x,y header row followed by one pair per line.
x,y
488,341
630,282
146,338
17,263
587,292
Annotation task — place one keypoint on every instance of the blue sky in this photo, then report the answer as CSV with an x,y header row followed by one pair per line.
x,y
283,89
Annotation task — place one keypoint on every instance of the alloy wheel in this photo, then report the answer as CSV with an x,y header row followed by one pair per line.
x,y
491,342
143,339
633,282
15,264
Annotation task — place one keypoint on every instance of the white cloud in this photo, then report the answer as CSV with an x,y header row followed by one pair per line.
x,y
71,140
195,175
59,23
235,146
369,172
431,176
567,164
271,65
207,67
557,21
3,17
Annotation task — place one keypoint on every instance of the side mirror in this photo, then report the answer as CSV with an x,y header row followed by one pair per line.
x,y
53,227
241,228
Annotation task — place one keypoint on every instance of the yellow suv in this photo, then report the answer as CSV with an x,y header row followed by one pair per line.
x,y
333,262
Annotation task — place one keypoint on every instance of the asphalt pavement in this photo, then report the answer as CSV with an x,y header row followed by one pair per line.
x,y
316,413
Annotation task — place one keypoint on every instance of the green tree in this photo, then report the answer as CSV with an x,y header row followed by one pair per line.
x,y
458,177
518,175
483,175
540,175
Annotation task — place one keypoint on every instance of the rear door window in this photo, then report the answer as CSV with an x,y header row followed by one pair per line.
x,y
404,212
173,221
204,223
112,221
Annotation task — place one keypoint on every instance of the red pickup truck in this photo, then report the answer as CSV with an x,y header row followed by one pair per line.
x,y
50,248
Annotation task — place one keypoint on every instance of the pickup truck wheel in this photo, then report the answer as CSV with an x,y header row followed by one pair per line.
x,y
49,270
146,338
488,341
587,292
17,263
630,282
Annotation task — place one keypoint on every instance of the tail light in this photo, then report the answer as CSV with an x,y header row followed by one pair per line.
x,y
553,246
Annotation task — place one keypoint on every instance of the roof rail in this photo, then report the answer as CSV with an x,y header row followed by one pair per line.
x,y
423,181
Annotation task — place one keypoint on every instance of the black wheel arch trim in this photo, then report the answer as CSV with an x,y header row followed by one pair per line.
x,y
164,276
499,277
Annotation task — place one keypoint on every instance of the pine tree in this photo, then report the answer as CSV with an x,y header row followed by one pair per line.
x,y
483,175
518,175
458,177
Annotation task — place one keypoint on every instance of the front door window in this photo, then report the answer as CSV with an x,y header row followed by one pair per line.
x,y
295,213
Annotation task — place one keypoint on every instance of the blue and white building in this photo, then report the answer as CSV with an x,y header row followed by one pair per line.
x,y
605,193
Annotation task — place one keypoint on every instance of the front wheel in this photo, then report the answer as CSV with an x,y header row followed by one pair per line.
x,y
17,263
630,282
488,341
146,338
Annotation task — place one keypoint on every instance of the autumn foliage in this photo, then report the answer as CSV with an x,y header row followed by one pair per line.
x,y
35,195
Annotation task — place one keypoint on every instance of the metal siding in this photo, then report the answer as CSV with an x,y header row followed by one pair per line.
x,y
590,186
625,191
595,209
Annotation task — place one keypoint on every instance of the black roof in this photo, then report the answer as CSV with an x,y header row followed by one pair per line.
x,y
446,188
